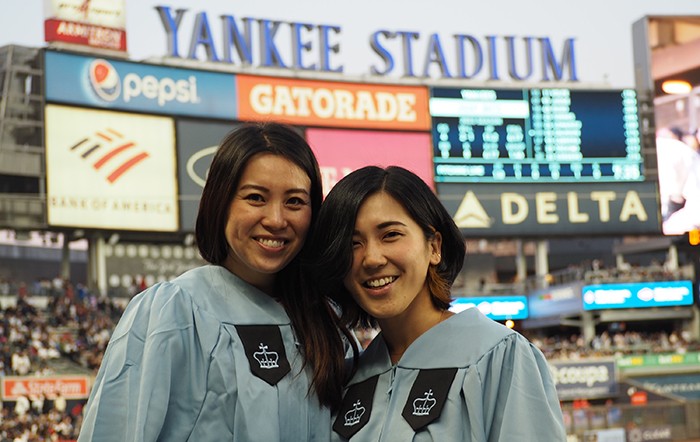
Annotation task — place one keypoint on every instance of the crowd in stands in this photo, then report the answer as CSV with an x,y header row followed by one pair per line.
x,y
74,325
614,344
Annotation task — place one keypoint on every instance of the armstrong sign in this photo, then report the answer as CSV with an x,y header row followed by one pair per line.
x,y
304,46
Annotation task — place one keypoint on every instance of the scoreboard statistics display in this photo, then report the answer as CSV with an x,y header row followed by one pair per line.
x,y
535,135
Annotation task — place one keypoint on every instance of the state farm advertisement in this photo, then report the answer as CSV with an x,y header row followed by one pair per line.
x,y
339,152
333,104
70,387
110,170
94,23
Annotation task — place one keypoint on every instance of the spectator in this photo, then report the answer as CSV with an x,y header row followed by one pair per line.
x,y
22,406
21,363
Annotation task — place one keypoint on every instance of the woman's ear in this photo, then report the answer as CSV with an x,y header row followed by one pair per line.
x,y
435,244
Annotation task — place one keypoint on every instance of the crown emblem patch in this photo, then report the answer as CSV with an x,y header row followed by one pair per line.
x,y
422,406
427,396
266,359
356,408
353,416
264,349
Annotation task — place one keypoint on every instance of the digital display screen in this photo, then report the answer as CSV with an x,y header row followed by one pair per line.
x,y
494,307
637,295
535,135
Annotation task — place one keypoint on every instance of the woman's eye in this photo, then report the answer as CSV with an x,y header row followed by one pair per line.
x,y
254,197
296,201
391,235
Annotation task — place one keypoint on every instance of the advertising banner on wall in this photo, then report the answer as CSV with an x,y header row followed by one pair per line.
x,y
197,141
495,307
339,152
637,295
558,300
70,387
110,170
94,23
687,386
113,84
584,380
131,267
494,210
333,104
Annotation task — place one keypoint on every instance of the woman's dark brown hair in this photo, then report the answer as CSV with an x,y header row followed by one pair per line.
x,y
315,323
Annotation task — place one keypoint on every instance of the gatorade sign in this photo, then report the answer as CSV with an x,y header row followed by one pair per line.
x,y
114,84
333,104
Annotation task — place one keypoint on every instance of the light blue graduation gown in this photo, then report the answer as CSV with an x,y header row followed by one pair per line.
x,y
496,387
176,369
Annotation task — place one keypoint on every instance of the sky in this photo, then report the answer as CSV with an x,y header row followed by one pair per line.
x,y
601,28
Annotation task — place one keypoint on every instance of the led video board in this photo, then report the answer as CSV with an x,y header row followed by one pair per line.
x,y
535,135
495,307
637,295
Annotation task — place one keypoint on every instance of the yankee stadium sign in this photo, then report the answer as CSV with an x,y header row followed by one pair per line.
x,y
303,46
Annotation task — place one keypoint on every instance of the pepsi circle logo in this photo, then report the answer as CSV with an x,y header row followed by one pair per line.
x,y
104,80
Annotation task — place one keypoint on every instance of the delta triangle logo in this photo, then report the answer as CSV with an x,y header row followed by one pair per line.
x,y
471,214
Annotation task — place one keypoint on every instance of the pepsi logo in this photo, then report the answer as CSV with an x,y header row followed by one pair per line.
x,y
104,80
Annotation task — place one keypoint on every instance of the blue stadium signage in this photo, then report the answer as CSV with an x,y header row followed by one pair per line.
x,y
113,84
637,295
305,46
495,307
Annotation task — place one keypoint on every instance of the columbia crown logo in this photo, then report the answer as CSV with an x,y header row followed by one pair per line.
x,y
422,406
266,359
353,416
110,152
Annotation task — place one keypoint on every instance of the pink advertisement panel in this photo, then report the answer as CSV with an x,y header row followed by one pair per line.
x,y
339,152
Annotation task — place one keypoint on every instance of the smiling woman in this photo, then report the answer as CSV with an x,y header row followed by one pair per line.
x,y
234,350
387,252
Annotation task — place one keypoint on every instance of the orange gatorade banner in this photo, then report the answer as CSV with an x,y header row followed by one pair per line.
x,y
70,387
333,104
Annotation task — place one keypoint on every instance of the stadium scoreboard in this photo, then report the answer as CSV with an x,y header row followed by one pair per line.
x,y
535,135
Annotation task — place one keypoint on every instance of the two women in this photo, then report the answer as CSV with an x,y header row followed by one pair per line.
x,y
248,349
233,350
388,252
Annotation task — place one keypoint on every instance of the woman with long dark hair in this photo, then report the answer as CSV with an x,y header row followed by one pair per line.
x,y
387,252
233,350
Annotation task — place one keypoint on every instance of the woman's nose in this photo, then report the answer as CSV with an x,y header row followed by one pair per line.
x,y
274,217
373,256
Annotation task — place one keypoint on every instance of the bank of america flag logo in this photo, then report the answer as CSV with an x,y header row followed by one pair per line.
x,y
108,151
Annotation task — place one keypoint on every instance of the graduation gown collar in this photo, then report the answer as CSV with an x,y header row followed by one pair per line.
x,y
236,301
459,341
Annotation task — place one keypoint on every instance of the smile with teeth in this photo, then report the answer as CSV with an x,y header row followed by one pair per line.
x,y
376,283
271,242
